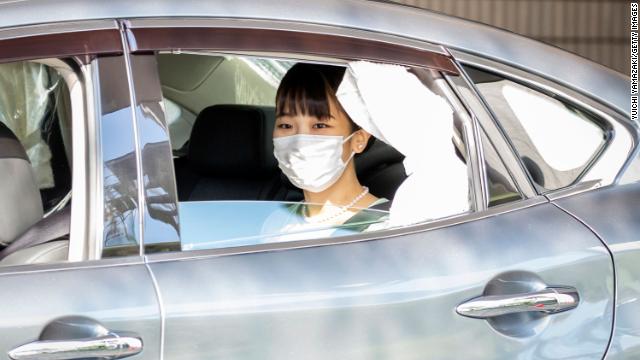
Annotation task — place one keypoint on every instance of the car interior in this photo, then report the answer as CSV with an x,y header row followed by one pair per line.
x,y
217,161
36,197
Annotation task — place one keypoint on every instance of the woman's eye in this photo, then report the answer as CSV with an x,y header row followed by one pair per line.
x,y
284,126
320,126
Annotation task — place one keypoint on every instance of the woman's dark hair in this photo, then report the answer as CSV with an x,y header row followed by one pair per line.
x,y
306,90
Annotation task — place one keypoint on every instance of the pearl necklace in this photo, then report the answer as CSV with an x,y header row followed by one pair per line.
x,y
342,210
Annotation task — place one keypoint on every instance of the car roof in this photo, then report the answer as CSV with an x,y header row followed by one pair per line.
x,y
563,67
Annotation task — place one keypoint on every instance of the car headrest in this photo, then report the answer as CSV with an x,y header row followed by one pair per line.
x,y
20,202
376,156
233,140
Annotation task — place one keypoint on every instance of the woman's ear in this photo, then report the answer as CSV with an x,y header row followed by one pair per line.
x,y
359,141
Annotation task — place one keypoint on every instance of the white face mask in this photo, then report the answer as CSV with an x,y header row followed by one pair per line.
x,y
311,162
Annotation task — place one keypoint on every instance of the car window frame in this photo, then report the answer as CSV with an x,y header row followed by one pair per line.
x,y
80,42
462,87
146,35
597,121
138,47
623,133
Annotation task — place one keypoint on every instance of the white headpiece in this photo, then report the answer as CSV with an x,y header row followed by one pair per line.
x,y
396,107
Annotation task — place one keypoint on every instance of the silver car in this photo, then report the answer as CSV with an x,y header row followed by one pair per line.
x,y
137,176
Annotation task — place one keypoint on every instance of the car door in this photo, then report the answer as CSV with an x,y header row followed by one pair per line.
x,y
609,187
519,280
84,307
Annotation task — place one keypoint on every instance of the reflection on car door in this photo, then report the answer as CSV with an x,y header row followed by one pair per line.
x,y
393,298
74,301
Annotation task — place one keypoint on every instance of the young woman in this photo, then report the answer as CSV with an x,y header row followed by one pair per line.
x,y
315,142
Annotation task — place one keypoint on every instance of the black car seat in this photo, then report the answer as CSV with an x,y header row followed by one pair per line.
x,y
380,168
229,155
25,237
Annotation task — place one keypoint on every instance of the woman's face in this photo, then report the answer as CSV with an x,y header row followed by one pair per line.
x,y
336,125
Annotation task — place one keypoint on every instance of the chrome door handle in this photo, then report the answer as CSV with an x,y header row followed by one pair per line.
x,y
109,346
550,300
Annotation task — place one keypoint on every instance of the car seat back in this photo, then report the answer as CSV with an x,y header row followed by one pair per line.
x,y
20,202
230,155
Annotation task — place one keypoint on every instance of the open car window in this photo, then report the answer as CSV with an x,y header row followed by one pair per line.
x,y
35,166
231,189
35,105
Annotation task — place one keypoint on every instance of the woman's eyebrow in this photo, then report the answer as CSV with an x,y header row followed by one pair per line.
x,y
322,119
326,118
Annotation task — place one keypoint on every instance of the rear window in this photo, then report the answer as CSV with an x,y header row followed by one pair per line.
x,y
556,140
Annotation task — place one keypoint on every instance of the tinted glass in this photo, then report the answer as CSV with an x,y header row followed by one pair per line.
x,y
502,189
556,140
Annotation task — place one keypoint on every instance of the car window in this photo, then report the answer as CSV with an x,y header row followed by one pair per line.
x,y
34,104
233,191
555,139
35,153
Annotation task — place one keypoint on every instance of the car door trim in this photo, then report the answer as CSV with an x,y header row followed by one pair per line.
x,y
293,26
198,34
136,140
469,97
49,29
60,40
476,164
70,265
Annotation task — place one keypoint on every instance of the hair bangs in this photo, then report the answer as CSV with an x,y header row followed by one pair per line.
x,y
303,91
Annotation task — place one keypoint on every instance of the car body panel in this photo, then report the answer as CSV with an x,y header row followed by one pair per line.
x,y
120,297
550,62
614,214
390,298
631,173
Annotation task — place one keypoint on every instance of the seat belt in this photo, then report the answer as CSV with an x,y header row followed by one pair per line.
x,y
53,227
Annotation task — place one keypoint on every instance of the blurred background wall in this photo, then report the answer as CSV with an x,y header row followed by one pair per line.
x,y
595,29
